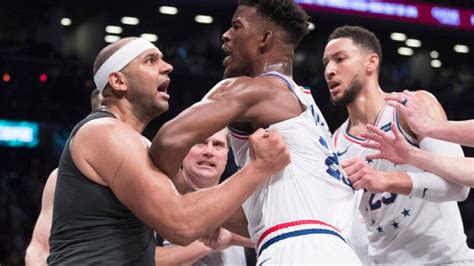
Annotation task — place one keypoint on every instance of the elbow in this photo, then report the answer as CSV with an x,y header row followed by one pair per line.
x,y
183,236
457,193
35,255
28,259
180,229
463,194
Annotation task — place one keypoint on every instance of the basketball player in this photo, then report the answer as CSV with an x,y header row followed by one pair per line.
x,y
109,195
38,249
302,214
411,216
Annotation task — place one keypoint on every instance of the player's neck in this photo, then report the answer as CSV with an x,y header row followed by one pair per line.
x,y
366,107
281,63
127,116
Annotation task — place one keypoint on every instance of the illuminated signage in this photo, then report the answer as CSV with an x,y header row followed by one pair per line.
x,y
407,12
447,16
19,134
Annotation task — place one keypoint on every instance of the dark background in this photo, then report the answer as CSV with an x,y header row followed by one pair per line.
x,y
33,42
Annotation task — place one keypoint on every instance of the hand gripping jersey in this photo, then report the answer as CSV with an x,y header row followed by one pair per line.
x,y
404,229
304,213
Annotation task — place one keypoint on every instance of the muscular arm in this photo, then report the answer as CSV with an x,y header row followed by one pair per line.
x,y
227,101
238,223
38,250
418,117
124,165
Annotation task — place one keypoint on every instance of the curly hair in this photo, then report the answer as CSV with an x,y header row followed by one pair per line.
x,y
285,13
359,36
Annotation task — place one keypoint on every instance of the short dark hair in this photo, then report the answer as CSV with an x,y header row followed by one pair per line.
x,y
359,36
285,13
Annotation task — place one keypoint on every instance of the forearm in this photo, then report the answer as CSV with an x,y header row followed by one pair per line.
x,y
396,182
460,132
195,214
423,185
237,223
38,249
457,170
179,255
433,187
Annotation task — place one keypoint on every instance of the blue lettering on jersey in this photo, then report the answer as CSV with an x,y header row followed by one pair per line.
x,y
323,142
332,162
317,117
377,204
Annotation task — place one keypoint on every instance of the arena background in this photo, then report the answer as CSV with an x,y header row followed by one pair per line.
x,y
47,78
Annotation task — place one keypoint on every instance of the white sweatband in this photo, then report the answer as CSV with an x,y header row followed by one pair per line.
x,y
431,187
119,60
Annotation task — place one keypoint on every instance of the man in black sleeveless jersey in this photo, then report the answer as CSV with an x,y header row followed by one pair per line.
x,y
109,195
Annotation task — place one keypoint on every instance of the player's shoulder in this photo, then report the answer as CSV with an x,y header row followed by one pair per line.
x,y
425,97
106,125
228,85
429,102
241,89
251,82
108,132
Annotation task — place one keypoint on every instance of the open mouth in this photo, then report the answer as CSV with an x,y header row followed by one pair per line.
x,y
226,49
206,163
164,86
333,84
227,52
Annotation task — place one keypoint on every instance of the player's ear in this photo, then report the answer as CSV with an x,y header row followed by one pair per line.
x,y
373,61
266,40
118,81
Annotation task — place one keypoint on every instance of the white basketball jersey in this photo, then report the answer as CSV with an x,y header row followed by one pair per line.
x,y
312,186
404,229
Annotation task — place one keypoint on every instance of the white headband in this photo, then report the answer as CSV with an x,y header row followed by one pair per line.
x,y
119,60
